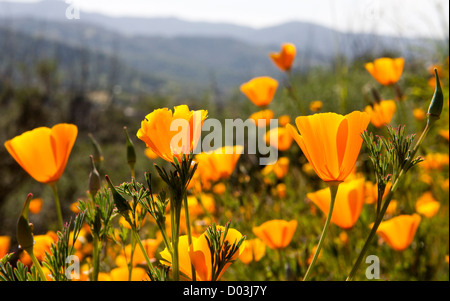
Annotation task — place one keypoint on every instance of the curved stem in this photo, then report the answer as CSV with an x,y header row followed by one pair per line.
x,y
58,205
333,190
36,264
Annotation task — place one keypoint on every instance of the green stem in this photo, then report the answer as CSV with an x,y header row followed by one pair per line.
x,y
36,264
188,228
57,203
147,259
281,260
175,225
96,257
334,185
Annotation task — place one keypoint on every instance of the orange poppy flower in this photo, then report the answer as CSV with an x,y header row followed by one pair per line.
x,y
444,134
315,105
218,164
5,243
331,142
260,90
283,120
36,205
427,205
160,130
285,58
43,152
381,113
265,115
348,204
254,250
276,234
283,141
385,70
398,232
419,114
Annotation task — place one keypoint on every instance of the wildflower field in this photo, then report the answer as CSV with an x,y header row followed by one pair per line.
x,y
357,188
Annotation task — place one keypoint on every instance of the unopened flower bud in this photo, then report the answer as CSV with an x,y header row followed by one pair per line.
x,y
121,203
94,179
24,231
437,102
131,153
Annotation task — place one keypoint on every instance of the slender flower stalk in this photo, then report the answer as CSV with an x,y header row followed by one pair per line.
x,y
96,257
57,204
141,246
334,185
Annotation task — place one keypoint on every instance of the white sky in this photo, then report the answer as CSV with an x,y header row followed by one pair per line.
x,y
404,17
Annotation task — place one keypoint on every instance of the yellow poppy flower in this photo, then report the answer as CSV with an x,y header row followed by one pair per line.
x,y
276,234
381,113
331,142
285,58
169,142
43,152
398,232
385,70
348,204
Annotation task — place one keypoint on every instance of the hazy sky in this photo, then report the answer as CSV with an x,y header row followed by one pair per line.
x,y
405,17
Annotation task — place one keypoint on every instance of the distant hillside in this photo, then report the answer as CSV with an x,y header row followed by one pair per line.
x,y
78,67
193,52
